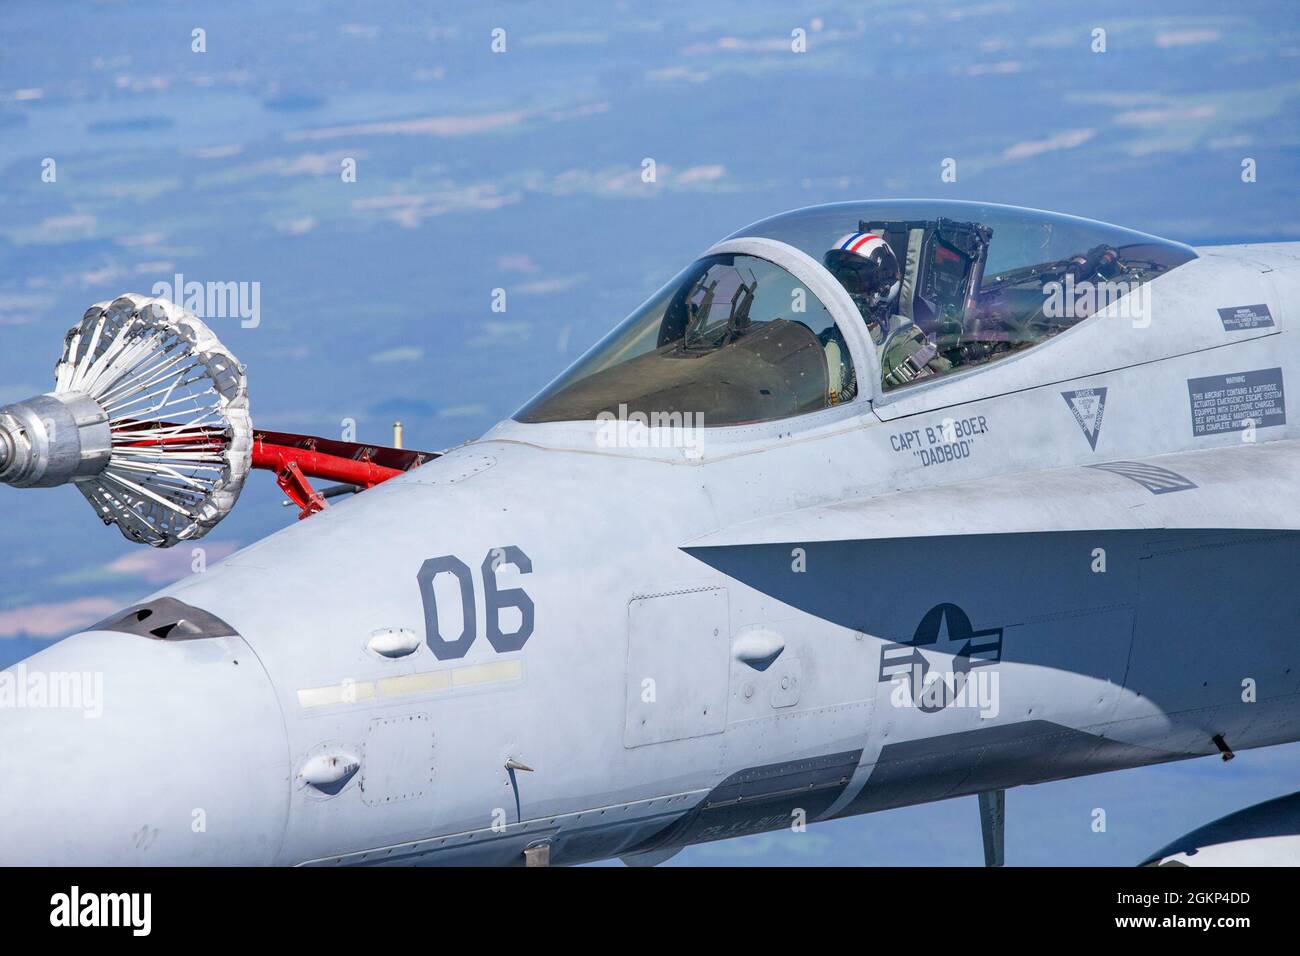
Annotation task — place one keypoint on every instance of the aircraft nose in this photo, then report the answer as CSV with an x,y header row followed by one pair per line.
x,y
132,749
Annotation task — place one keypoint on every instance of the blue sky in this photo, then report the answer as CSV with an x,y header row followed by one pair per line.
x,y
521,170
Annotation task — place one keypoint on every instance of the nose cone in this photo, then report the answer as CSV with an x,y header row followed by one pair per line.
x,y
118,749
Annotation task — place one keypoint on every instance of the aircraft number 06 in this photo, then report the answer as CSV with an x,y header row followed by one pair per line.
x,y
495,600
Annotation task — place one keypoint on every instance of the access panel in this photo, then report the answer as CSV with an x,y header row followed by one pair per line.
x,y
677,665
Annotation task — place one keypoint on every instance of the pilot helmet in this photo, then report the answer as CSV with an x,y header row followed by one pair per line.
x,y
868,269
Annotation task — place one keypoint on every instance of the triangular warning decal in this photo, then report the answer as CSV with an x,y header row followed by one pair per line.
x,y
1088,405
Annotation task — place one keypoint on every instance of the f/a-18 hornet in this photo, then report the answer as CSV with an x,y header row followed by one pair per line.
x,y
873,504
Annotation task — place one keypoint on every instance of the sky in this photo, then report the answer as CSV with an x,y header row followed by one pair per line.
x,y
128,156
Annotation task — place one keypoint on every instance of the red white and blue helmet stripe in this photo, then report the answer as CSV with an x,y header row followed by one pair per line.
x,y
862,243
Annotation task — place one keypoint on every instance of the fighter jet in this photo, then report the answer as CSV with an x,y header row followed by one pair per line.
x,y
1267,834
871,505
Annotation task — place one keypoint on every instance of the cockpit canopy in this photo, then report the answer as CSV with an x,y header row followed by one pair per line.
x,y
731,340
737,339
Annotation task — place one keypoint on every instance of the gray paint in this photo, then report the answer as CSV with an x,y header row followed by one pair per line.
x,y
1138,664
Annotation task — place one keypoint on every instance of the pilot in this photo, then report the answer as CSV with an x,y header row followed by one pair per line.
x,y
868,269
